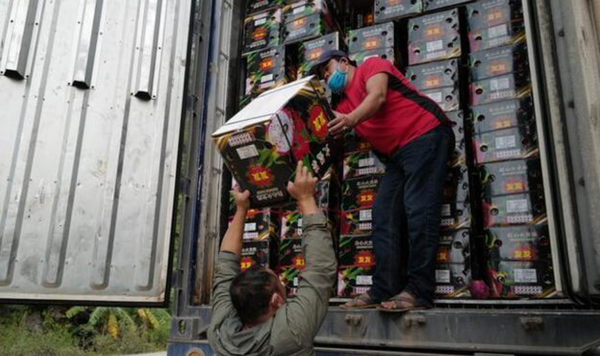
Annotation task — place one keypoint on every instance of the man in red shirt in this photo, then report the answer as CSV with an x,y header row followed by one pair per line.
x,y
415,135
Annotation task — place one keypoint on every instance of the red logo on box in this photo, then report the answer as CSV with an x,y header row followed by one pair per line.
x,y
260,176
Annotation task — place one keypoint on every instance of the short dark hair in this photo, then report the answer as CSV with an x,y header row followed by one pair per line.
x,y
251,293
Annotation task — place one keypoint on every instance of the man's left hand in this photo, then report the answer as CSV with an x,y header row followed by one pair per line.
x,y
340,124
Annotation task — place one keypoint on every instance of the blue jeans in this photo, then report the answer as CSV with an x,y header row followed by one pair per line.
x,y
406,217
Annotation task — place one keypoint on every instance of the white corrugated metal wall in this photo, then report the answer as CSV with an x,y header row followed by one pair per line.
x,y
91,95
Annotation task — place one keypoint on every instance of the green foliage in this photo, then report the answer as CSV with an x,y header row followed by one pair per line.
x,y
82,331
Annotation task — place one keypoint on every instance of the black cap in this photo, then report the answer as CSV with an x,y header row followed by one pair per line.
x,y
325,57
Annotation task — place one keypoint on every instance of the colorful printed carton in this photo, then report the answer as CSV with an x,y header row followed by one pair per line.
x,y
499,61
312,50
387,10
457,185
358,196
261,253
501,35
454,247
262,143
254,6
448,98
503,115
484,14
361,164
356,251
519,243
434,75
262,30
308,27
515,209
506,87
371,38
502,145
515,279
511,177
433,5
455,215
453,280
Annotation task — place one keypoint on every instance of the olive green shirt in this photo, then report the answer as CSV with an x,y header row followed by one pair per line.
x,y
293,328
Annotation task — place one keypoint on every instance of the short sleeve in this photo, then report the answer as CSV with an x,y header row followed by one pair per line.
x,y
376,65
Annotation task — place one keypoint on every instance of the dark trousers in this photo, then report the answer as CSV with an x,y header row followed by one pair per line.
x,y
406,217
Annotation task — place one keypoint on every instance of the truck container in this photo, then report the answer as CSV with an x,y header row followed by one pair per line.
x,y
106,161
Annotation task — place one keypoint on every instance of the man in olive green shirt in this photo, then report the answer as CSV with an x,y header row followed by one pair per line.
x,y
251,315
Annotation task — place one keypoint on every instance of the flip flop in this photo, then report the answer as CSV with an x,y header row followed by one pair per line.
x,y
402,298
365,297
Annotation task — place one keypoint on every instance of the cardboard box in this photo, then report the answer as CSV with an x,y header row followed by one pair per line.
x,y
290,254
262,30
358,196
371,38
260,82
290,277
308,27
264,62
383,53
457,118
502,145
519,243
298,9
513,279
483,14
433,5
362,164
356,251
354,281
506,87
457,186
433,27
434,75
515,209
499,61
453,280
454,247
353,143
448,98
361,17
503,115
255,6
262,143
312,50
436,50
511,177
388,10
260,224
455,216
501,35
261,253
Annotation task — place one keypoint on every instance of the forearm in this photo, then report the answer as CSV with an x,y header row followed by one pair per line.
x,y
232,241
368,107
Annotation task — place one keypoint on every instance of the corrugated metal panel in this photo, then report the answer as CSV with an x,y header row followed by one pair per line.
x,y
91,95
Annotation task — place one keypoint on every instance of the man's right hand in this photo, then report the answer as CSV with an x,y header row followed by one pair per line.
x,y
303,190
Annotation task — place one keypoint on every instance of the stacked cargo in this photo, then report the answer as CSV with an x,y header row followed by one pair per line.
x,y
361,176
307,19
373,41
506,151
436,69
291,258
310,51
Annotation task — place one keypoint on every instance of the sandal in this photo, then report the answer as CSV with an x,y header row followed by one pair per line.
x,y
363,301
403,303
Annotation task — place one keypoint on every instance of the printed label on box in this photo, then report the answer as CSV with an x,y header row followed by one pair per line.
x,y
435,46
517,206
366,162
505,142
364,280
247,152
366,215
442,276
498,31
437,96
250,227
528,275
446,210
500,84
299,9
260,22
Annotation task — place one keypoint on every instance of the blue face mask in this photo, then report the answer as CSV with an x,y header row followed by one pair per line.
x,y
337,81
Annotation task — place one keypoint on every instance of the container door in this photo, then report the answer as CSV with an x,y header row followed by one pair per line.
x,y
91,94
568,37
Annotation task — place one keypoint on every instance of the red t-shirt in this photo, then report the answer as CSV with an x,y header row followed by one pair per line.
x,y
406,114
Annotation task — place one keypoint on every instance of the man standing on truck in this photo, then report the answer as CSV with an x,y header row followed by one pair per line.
x,y
251,315
416,137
